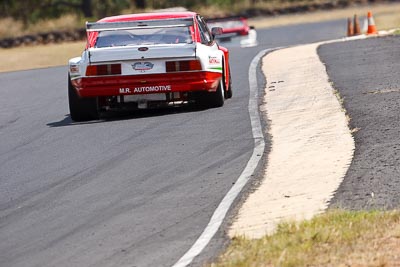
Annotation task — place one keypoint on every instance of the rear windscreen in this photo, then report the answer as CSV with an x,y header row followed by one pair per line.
x,y
148,36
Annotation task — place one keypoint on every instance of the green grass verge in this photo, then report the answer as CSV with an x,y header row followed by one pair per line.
x,y
336,238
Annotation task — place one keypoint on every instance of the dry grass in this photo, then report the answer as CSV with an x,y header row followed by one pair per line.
x,y
239,7
386,16
13,28
337,238
10,27
32,57
65,22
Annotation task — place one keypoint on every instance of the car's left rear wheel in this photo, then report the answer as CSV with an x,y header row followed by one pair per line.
x,y
81,109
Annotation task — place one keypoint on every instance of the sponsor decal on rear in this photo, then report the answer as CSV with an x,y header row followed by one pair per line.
x,y
142,66
213,60
146,89
124,90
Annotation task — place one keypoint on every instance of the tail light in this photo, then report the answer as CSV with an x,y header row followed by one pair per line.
x,y
183,65
101,70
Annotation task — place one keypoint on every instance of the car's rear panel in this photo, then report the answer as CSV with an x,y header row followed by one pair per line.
x,y
147,83
164,63
109,74
123,66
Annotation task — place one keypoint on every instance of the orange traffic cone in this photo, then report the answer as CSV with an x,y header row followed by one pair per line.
x,y
371,24
350,31
357,30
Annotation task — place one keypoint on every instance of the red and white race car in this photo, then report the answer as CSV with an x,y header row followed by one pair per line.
x,y
147,60
234,28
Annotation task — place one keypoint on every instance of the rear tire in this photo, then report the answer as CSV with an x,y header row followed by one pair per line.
x,y
81,109
216,99
228,93
213,99
204,100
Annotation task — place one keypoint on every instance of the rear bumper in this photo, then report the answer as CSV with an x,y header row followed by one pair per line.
x,y
147,84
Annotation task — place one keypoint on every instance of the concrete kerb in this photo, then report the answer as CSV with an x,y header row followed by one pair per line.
x,y
267,206
312,146
237,227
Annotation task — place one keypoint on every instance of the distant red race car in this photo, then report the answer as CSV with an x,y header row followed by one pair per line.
x,y
232,26
147,60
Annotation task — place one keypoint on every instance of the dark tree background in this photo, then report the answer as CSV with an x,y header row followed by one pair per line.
x,y
33,10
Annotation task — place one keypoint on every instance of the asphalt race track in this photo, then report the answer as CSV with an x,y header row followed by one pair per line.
x,y
366,74
128,190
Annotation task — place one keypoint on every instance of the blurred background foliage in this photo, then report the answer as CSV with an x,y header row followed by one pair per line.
x,y
33,10
19,17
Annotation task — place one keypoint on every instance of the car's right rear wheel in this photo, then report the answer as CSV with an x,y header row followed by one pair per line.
x,y
204,100
216,99
228,92
81,109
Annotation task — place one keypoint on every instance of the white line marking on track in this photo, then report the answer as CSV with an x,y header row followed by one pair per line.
x,y
259,145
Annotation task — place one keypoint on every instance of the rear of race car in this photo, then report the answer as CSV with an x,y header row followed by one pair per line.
x,y
235,30
141,64
232,26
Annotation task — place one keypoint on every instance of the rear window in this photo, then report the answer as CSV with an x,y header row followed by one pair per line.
x,y
148,36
